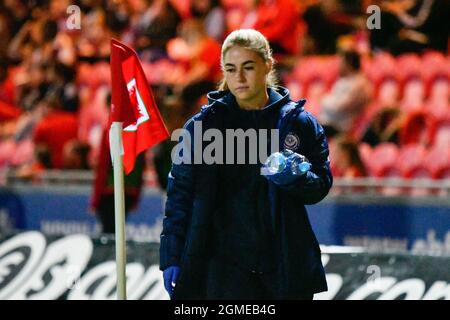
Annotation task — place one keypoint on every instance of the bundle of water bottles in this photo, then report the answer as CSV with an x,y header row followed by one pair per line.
x,y
285,166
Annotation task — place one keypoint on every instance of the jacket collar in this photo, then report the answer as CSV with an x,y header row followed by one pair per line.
x,y
277,97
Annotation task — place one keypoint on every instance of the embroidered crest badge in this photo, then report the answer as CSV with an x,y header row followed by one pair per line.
x,y
291,142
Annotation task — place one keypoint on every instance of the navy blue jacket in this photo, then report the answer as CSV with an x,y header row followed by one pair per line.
x,y
192,194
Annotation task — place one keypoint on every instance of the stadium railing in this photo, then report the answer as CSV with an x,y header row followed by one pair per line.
x,y
369,185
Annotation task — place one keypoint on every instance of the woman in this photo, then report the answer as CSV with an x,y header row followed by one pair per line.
x,y
348,162
230,232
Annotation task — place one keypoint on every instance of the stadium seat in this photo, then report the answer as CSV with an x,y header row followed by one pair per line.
x,y
23,154
413,95
9,111
438,109
435,165
388,92
7,148
316,88
418,128
409,66
295,89
381,68
437,162
330,70
442,134
382,159
440,90
437,66
411,158
316,91
306,70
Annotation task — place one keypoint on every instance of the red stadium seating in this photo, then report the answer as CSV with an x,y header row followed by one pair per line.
x,y
410,159
418,128
413,95
440,89
295,89
442,134
365,152
24,153
436,66
7,148
388,92
409,65
437,162
382,159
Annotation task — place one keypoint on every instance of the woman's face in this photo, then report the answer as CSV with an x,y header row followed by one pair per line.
x,y
245,73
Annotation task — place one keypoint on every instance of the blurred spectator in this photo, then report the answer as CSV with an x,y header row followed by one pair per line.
x,y
349,95
5,32
8,109
43,159
75,155
384,127
7,87
61,80
418,128
34,42
32,85
41,162
27,121
200,56
55,129
117,15
412,26
326,21
93,44
154,28
212,15
279,21
346,159
18,14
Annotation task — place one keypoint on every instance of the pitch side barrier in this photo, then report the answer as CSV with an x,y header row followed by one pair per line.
x,y
78,267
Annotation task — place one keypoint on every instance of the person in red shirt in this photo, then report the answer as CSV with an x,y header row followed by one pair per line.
x,y
279,21
201,61
55,129
8,109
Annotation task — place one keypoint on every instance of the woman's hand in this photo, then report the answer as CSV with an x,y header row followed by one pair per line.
x,y
170,275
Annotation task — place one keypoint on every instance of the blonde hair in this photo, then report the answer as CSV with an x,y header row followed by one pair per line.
x,y
252,40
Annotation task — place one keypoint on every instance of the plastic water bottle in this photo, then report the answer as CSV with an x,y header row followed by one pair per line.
x,y
278,161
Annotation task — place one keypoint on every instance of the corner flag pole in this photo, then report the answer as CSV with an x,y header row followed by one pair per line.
x,y
119,208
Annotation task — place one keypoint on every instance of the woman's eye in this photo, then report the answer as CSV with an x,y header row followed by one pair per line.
x,y
230,70
248,68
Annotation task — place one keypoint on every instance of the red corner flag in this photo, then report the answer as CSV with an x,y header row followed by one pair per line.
x,y
133,104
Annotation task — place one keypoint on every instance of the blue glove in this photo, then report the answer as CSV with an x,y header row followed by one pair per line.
x,y
283,168
170,275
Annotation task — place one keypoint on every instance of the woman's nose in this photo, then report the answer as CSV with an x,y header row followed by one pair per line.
x,y
240,76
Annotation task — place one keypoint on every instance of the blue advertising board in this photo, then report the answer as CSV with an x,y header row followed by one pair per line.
x,y
403,224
